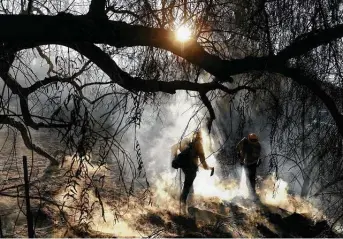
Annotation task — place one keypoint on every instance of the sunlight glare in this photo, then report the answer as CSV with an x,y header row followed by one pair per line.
x,y
183,34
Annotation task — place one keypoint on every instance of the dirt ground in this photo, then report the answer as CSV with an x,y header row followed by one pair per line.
x,y
88,201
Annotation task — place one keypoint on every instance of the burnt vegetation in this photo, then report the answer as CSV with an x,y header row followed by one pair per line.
x,y
82,72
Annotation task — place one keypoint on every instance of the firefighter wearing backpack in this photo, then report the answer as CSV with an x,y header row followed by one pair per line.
x,y
249,150
191,150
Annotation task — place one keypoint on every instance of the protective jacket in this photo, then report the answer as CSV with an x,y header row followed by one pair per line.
x,y
249,151
198,152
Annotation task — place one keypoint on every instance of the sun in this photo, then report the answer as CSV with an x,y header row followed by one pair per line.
x,y
183,34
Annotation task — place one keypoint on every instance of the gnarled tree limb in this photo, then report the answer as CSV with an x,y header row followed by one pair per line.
x,y
307,80
4,119
26,30
97,8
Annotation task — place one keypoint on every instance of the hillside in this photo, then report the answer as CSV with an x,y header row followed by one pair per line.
x,y
230,213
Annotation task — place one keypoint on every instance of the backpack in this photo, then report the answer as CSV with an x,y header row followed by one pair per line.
x,y
255,150
183,159
252,152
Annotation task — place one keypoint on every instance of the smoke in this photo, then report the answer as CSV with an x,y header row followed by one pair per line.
x,y
157,135
82,206
166,192
177,119
162,128
159,130
274,192
244,184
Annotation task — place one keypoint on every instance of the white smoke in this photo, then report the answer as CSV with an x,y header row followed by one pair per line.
x,y
244,185
162,129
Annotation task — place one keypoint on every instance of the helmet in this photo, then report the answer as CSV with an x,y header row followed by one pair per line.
x,y
252,137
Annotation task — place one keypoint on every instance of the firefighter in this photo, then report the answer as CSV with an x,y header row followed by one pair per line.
x,y
249,151
191,150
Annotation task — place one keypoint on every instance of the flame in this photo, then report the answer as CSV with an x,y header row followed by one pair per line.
x,y
166,192
107,224
167,188
274,192
214,186
112,225
207,186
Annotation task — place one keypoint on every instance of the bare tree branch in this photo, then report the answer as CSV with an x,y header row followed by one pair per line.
x,y
54,79
122,78
311,40
23,93
47,59
97,8
4,119
48,29
120,34
326,186
120,11
303,78
29,7
207,103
